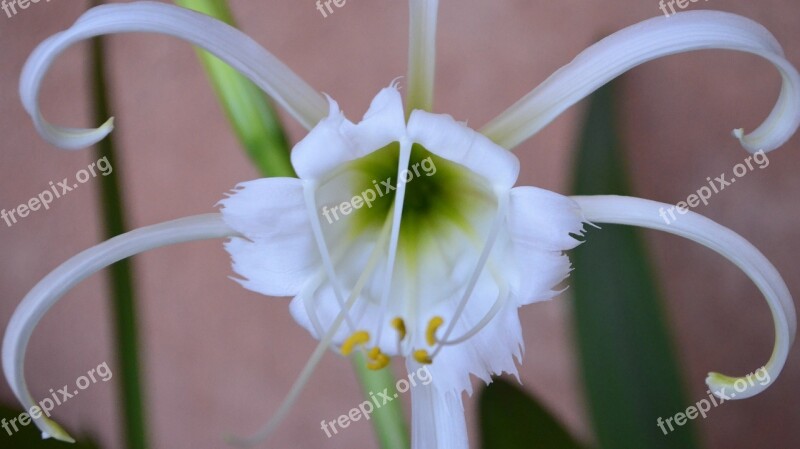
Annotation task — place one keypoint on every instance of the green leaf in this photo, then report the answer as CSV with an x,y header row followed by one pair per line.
x,y
29,437
254,120
626,354
511,419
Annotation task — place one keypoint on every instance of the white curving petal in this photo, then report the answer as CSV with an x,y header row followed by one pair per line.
x,y
646,213
50,289
421,53
645,41
229,44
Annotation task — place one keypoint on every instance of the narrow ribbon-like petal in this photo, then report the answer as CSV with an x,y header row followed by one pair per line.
x,y
645,41
229,44
646,213
50,289
421,53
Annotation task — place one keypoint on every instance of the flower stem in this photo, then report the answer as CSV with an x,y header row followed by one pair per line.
x,y
121,278
388,420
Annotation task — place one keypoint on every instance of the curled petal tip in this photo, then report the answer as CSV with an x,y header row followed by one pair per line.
x,y
74,138
51,429
727,387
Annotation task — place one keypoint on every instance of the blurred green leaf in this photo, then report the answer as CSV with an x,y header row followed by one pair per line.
x,y
626,355
511,419
254,120
29,437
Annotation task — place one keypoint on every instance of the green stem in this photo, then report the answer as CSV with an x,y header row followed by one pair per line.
x,y
254,120
121,278
388,420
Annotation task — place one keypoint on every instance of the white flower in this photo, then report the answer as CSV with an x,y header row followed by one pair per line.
x,y
404,234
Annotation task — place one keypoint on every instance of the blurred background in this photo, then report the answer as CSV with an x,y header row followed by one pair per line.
x,y
218,359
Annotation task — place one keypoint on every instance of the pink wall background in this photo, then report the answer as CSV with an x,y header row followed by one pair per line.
x,y
219,359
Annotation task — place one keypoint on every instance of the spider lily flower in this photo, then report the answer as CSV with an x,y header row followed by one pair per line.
x,y
405,234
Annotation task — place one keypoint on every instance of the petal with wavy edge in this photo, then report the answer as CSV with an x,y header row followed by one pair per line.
x,y
50,289
278,254
646,213
645,41
229,44
544,218
443,136
336,140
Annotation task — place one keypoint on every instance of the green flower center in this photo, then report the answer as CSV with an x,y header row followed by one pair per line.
x,y
439,195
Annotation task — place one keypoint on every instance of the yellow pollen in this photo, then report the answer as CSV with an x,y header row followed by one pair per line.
x,y
422,356
357,339
433,326
400,326
379,359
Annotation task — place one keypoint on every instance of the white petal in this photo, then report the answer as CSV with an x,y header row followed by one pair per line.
x,y
539,273
336,141
383,123
645,41
646,213
437,414
224,41
279,254
421,53
50,289
543,218
325,147
493,350
443,136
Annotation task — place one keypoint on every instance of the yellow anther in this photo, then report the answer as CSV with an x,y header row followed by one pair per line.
x,y
433,326
422,356
357,339
400,326
379,359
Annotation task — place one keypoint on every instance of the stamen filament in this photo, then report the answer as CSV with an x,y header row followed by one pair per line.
x,y
397,217
309,189
316,356
499,218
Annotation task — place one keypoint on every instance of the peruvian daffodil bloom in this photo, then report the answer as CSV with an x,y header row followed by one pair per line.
x,y
405,234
